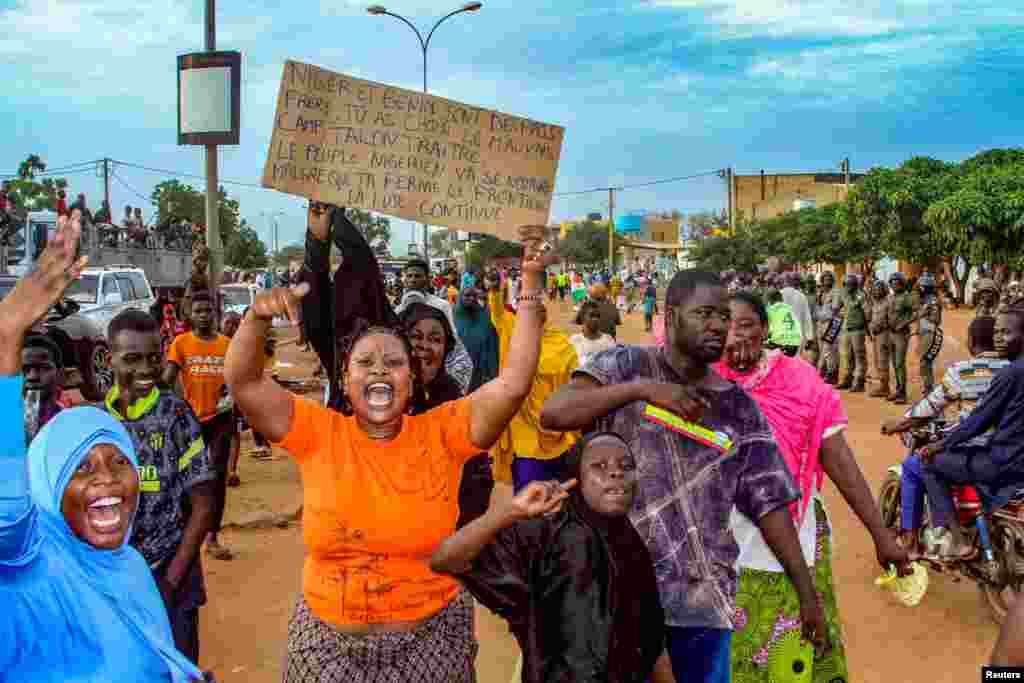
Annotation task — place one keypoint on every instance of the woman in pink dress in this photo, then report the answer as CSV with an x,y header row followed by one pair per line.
x,y
809,423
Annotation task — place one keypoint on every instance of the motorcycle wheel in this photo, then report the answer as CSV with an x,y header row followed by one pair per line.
x,y
889,501
1008,543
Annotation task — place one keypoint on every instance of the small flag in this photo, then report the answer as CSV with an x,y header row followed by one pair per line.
x,y
720,441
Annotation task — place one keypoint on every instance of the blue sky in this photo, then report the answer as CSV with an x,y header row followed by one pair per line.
x,y
646,89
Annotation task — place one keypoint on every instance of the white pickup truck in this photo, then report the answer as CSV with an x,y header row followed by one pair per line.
x,y
102,293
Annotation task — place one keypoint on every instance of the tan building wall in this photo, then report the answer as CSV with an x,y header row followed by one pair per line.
x,y
759,197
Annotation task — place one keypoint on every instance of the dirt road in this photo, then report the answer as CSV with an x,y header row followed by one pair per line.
x,y
946,638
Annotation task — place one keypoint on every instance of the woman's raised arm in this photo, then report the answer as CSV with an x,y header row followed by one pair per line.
x,y
495,403
29,301
266,405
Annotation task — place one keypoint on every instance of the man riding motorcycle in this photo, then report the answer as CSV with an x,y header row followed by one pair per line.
x,y
996,469
963,384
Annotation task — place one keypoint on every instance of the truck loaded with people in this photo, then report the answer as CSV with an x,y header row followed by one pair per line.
x,y
124,271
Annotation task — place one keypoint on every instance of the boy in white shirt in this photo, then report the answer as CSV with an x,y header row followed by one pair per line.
x,y
591,340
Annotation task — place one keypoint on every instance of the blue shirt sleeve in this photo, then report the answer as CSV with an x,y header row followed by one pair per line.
x,y
17,514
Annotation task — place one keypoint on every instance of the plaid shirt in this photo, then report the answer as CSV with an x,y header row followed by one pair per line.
x,y
963,384
688,490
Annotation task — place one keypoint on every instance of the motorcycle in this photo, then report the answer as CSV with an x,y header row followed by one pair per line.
x,y
998,535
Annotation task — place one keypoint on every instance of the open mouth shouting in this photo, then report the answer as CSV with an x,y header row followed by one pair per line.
x,y
107,516
379,395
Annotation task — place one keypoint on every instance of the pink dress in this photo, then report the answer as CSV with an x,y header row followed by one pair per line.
x,y
802,410
658,330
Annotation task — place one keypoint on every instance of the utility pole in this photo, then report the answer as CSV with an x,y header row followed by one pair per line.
x,y
732,209
846,173
106,187
611,229
213,242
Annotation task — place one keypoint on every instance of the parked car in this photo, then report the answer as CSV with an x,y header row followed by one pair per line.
x,y
82,342
102,293
238,297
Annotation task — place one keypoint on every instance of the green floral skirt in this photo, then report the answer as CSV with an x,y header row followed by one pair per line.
x,y
766,644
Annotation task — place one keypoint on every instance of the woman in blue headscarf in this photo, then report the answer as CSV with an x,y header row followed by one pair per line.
x,y
79,604
478,334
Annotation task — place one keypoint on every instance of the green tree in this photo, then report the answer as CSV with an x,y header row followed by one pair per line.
x,y
31,194
919,183
983,218
289,253
175,200
587,243
245,250
739,252
489,247
441,244
865,217
376,229
706,223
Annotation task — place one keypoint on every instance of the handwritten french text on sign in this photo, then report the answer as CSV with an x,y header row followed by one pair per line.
x,y
350,142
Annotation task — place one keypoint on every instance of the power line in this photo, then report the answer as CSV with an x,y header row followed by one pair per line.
x,y
164,171
636,185
130,188
60,170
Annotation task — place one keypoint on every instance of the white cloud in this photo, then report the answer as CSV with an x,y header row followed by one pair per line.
x,y
853,64
864,18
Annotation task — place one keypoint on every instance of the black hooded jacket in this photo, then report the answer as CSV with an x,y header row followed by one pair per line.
x,y
580,596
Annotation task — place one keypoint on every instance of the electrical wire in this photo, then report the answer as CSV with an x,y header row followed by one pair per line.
x,y
60,170
131,189
180,174
636,185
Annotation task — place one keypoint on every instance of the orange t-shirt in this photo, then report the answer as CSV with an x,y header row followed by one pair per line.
x,y
375,511
202,371
453,295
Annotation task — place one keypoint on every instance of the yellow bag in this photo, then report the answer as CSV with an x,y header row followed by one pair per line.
x,y
908,590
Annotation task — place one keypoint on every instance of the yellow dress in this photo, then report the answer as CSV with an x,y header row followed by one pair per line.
x,y
524,435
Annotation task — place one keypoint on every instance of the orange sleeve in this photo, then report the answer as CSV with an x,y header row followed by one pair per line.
x,y
176,354
311,424
454,418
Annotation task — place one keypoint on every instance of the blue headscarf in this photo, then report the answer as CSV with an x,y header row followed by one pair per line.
x,y
73,612
480,339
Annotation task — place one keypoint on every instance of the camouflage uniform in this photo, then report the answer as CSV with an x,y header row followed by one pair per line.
x,y
931,318
986,308
852,340
827,302
881,341
901,316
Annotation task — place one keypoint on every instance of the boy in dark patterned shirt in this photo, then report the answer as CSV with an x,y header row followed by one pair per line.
x,y
176,474
691,479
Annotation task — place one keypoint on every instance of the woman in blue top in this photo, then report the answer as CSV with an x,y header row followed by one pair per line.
x,y
79,604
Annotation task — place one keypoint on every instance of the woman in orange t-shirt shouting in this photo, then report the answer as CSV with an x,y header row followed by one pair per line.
x,y
381,491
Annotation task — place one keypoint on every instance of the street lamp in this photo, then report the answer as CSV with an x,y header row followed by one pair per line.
x,y
272,220
379,10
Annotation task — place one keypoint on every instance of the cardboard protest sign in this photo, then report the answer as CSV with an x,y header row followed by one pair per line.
x,y
366,145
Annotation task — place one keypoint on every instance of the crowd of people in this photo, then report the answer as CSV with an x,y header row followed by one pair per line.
x,y
666,522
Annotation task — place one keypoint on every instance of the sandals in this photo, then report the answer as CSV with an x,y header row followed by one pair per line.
x,y
219,552
972,554
261,454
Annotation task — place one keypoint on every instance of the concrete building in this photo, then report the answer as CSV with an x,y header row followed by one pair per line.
x,y
762,196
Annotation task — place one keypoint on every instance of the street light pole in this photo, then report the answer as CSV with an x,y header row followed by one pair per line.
x,y
378,10
213,242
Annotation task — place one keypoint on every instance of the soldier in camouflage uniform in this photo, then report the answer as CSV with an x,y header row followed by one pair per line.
x,y
930,318
826,306
852,341
1011,297
986,298
902,314
881,339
